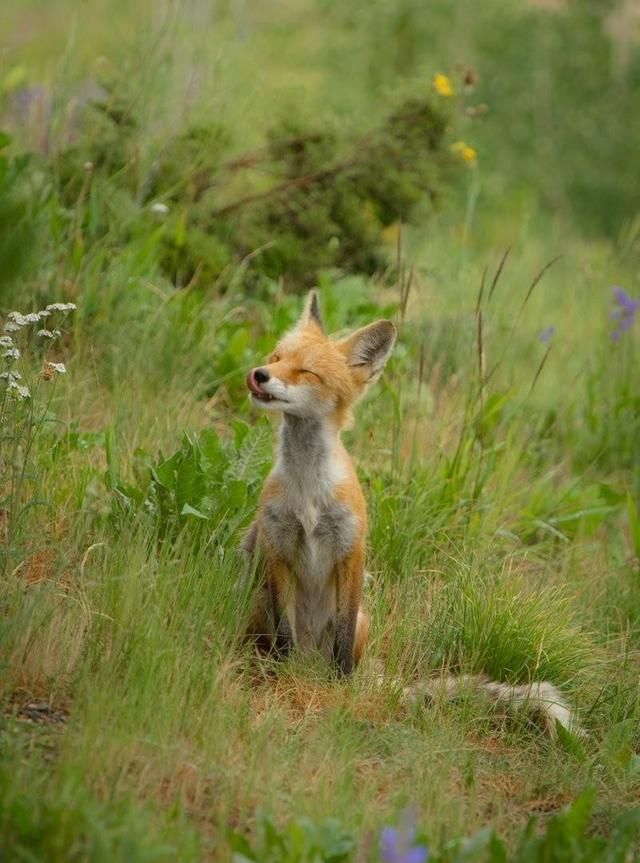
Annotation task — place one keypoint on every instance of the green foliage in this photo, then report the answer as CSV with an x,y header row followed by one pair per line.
x,y
567,837
104,147
331,208
610,413
300,841
207,483
18,216
485,623
326,207
72,826
188,165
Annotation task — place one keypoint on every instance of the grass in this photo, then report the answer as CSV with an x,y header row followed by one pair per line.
x,y
501,473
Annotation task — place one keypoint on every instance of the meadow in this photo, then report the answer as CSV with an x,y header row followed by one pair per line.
x,y
173,178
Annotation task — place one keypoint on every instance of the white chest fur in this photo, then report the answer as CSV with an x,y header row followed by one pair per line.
x,y
307,524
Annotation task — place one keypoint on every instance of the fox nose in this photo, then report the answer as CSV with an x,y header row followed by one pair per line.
x,y
255,378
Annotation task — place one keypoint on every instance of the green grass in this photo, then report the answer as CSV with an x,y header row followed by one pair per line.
x,y
502,474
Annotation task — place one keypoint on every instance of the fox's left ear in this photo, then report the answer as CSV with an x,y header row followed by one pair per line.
x,y
368,349
311,314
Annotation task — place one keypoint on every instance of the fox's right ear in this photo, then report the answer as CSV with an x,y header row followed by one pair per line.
x,y
368,349
311,314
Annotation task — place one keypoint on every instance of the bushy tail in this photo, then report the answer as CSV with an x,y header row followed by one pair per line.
x,y
540,699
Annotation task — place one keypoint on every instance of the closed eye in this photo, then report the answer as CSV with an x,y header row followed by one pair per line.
x,y
309,372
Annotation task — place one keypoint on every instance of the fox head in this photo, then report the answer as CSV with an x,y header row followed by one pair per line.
x,y
310,375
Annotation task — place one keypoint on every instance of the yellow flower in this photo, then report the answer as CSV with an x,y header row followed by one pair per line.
x,y
442,85
465,152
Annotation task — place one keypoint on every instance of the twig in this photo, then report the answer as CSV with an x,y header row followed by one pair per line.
x,y
295,183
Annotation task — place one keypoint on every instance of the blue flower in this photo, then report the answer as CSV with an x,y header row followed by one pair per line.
x,y
397,846
547,334
625,313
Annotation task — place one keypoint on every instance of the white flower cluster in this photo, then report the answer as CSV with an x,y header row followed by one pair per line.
x,y
20,392
15,389
60,307
10,353
16,320
11,375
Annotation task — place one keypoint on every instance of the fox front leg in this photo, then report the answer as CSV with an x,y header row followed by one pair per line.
x,y
283,636
278,584
349,581
268,628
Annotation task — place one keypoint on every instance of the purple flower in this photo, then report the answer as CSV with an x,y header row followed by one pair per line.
x,y
397,845
625,312
547,334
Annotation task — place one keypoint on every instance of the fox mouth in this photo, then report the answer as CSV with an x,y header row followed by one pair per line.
x,y
258,393
265,397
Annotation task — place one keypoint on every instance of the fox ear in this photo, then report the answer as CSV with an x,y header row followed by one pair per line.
x,y
369,348
311,314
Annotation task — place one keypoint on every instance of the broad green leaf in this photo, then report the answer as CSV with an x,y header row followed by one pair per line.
x,y
187,509
570,742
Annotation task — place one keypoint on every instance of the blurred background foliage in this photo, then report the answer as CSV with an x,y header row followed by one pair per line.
x,y
557,87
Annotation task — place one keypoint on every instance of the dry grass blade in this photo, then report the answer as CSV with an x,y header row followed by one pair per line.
x,y
539,370
481,355
537,280
481,291
503,261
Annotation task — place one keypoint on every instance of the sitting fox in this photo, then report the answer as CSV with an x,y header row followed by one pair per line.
x,y
309,533
312,520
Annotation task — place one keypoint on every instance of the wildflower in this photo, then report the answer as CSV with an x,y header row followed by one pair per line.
x,y
547,334
159,208
48,334
11,375
625,313
50,370
442,85
6,342
11,354
17,319
397,845
17,390
60,307
465,152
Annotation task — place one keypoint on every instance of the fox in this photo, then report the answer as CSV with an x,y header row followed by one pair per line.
x,y
307,542
311,524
